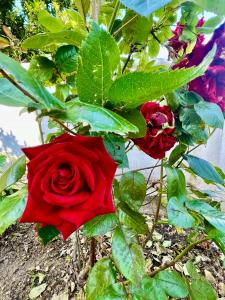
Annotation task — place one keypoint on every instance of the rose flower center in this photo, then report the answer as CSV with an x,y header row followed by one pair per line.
x,y
157,120
64,174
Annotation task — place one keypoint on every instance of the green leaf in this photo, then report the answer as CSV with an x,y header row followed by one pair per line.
x,y
98,59
41,68
100,225
13,173
115,145
193,125
128,257
11,208
212,6
3,160
210,113
178,215
176,184
172,283
192,271
135,88
219,238
133,189
83,7
187,98
102,275
154,48
201,289
149,290
132,219
11,96
42,40
66,59
114,292
51,23
28,82
176,154
99,118
203,169
210,25
146,7
73,19
47,233
136,118
215,217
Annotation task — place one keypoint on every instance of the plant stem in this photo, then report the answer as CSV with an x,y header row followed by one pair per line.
x,y
96,4
124,25
149,237
40,130
18,86
64,126
111,23
142,169
92,252
178,257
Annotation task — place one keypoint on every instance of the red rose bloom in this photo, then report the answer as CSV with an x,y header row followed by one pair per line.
x,y
69,182
160,128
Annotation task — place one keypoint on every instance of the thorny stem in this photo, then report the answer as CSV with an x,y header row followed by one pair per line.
x,y
111,23
178,257
132,50
78,250
149,237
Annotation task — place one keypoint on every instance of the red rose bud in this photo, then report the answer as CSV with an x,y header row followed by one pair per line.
x,y
69,182
211,86
160,128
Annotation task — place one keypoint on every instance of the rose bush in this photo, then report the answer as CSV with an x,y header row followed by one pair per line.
x,y
159,136
68,182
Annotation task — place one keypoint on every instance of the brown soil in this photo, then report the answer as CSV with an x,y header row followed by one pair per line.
x,y
25,263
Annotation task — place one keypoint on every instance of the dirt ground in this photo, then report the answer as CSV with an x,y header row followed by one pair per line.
x,y
25,263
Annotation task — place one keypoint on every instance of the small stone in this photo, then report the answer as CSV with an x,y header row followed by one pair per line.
x,y
222,288
210,277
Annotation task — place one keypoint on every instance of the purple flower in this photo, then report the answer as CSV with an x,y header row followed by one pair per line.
x,y
211,86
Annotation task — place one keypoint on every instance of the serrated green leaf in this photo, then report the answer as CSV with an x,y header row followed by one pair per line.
x,y
154,47
42,40
133,189
41,68
99,118
11,96
51,23
83,7
149,290
178,215
219,238
204,169
47,233
115,291
128,257
73,19
176,184
176,154
217,7
100,225
192,271
132,219
146,7
172,283
215,217
11,208
115,145
210,113
28,82
98,58
13,173
210,25
201,289
66,59
135,88
101,276
136,118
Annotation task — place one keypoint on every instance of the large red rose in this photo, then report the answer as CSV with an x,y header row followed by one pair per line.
x,y
160,128
69,182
